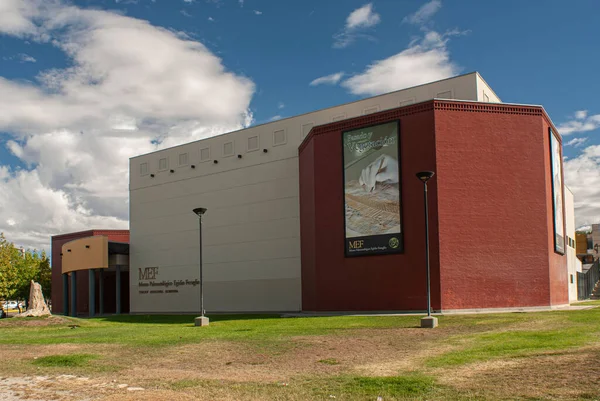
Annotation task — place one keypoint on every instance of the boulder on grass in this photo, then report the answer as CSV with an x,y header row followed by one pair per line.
x,y
37,305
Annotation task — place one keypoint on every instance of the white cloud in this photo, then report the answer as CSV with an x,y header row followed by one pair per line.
x,y
581,123
21,57
423,14
130,85
188,1
241,3
576,142
280,105
422,62
16,17
186,14
26,58
358,20
211,19
257,12
275,118
582,176
363,17
331,79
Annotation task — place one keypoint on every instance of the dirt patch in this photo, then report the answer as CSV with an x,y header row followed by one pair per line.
x,y
571,374
18,352
261,369
374,352
34,321
157,395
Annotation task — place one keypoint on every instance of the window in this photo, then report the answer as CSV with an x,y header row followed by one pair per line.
x,y
370,110
162,164
407,102
253,143
228,149
143,168
279,138
183,159
204,154
572,279
444,95
306,129
339,117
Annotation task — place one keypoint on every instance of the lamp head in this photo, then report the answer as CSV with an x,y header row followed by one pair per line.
x,y
425,175
200,211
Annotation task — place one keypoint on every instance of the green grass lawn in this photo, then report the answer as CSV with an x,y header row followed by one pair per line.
x,y
321,357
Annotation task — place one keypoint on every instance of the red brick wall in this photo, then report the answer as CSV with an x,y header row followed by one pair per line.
x,y
114,235
491,193
386,282
559,292
494,207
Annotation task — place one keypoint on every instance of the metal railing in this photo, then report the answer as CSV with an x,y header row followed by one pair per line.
x,y
587,281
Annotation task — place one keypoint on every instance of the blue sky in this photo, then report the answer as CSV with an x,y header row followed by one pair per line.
x,y
81,79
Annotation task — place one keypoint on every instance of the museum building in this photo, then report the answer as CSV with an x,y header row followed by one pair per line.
x,y
324,212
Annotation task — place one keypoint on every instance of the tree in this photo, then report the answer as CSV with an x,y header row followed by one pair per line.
x,y
8,270
18,267
45,275
27,264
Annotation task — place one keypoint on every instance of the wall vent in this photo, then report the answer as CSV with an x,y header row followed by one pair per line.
x,y
228,149
163,164
444,95
143,168
406,102
371,110
183,159
306,129
253,143
279,138
204,154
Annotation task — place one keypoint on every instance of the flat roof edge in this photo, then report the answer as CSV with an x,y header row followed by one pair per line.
x,y
318,110
91,230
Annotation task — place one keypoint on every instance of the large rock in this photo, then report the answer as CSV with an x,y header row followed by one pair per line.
x,y
37,305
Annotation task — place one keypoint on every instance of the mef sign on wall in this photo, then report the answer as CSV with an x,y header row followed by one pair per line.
x,y
372,190
557,194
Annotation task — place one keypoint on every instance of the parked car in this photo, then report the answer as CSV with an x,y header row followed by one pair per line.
x,y
11,305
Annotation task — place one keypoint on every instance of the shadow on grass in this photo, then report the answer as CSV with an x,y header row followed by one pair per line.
x,y
179,319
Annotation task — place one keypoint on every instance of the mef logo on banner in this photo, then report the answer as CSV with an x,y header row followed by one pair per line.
x,y
149,273
357,244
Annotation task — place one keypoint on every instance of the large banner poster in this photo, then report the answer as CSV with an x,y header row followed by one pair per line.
x,y
372,190
557,194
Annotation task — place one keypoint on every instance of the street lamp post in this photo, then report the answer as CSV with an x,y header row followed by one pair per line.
x,y
200,320
428,321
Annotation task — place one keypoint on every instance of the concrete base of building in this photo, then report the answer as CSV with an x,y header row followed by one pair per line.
x,y
201,321
429,322
506,310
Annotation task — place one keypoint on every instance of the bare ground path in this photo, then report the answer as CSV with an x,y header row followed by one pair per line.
x,y
553,355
